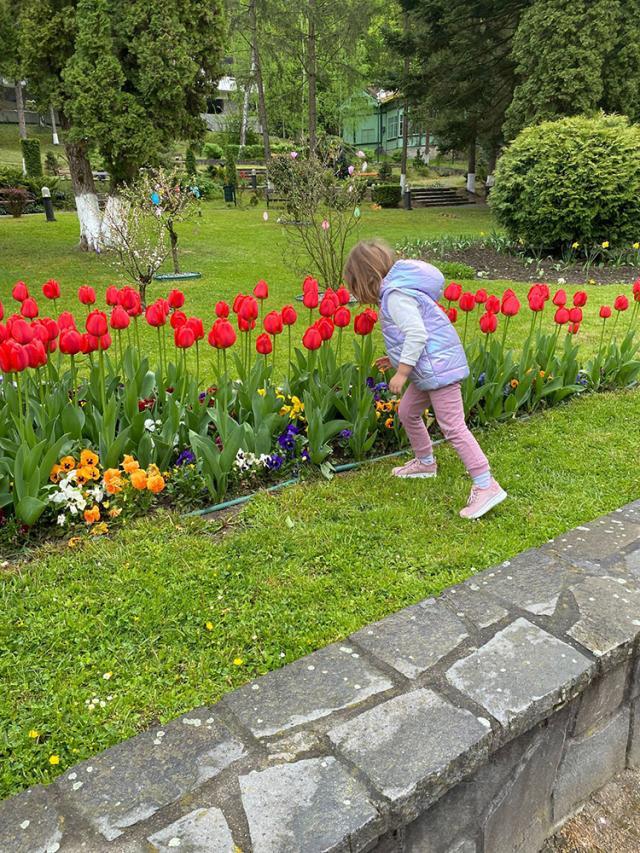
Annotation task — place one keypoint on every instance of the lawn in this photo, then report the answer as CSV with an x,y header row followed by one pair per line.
x,y
180,611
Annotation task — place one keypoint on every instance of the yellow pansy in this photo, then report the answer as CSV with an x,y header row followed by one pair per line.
x,y
54,759
89,458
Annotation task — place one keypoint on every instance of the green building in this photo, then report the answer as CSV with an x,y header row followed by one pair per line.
x,y
375,120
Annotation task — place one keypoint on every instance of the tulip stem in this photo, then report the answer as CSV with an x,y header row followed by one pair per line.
x,y
160,380
73,378
20,413
103,395
289,362
197,365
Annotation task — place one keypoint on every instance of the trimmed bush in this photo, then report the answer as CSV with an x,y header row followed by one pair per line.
x,y
572,180
190,164
230,173
32,159
51,165
385,172
387,195
212,151
252,152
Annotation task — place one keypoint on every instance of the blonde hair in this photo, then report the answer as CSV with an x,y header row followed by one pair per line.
x,y
367,265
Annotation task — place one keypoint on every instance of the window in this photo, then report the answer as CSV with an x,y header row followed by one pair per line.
x,y
392,126
401,125
367,134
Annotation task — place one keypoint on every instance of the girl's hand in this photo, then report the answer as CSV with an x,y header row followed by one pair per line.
x,y
383,364
397,383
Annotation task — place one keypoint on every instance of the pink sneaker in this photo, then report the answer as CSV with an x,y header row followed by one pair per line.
x,y
415,469
482,500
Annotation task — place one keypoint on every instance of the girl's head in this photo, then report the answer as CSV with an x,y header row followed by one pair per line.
x,y
368,263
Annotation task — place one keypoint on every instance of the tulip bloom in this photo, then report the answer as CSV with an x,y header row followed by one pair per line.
x,y
20,291
51,289
580,299
560,298
573,328
344,297
197,327
621,303
467,301
29,308
488,323
155,315
222,310
13,357
452,314
342,317
66,320
96,324
605,312
129,299
364,323
36,354
536,302
248,310
561,316
452,292
184,337
86,295
100,342
222,335
70,342
492,305
237,302
329,304
263,344
175,299
19,330
310,293
289,315
312,340
178,318
111,295
119,318
635,291
575,315
325,327
510,306
481,296
273,323
261,290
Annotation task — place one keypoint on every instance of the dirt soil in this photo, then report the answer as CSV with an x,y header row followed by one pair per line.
x,y
609,823
513,268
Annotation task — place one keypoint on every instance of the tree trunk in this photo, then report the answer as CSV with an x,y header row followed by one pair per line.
x,y
262,106
84,191
471,169
405,123
113,221
174,246
312,77
22,122
54,129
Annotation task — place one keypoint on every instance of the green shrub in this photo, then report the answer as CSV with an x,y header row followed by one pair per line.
x,y
190,162
252,152
282,147
31,156
51,165
212,151
456,270
230,173
396,157
232,150
387,195
209,189
385,172
576,179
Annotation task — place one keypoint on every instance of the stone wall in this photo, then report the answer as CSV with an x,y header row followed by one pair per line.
x,y
474,723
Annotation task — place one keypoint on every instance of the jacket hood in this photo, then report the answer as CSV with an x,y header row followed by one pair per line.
x,y
417,276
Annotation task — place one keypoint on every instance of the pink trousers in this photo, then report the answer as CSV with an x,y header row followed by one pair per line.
x,y
446,405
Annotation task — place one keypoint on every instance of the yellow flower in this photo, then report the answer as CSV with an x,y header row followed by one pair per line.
x,y
209,626
636,246
238,661
153,470
34,734
575,245
514,383
83,475
92,515
129,464
542,374
115,512
100,529
262,392
605,245
139,480
56,473
155,484
74,542
389,423
54,759
89,458
67,463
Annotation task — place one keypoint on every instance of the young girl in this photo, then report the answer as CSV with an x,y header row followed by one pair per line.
x,y
424,349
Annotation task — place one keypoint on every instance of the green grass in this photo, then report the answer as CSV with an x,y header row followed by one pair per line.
x,y
295,571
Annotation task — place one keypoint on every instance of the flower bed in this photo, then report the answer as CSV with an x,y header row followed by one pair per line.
x,y
93,429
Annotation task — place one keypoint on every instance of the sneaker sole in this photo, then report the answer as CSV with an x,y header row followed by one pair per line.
x,y
495,501
415,476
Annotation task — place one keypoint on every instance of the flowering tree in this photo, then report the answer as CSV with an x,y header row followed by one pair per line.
x,y
323,210
172,202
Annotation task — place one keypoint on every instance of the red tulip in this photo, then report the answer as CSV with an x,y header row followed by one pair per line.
x,y
467,301
101,342
96,324
263,344
175,299
130,301
312,340
70,342
86,295
575,315
325,327
88,344
605,312
222,334
36,354
561,316
573,328
3,333
178,318
29,308
222,310
261,290
119,318
19,330
344,297
249,309
621,303
311,297
488,323
329,304
155,315
112,295
66,320
492,305
452,314
510,306
309,283
481,296
237,302
13,357
545,291
635,291
580,298
51,289
197,327
20,291
536,301
273,323
342,317
560,298
40,332
184,337
364,323
452,292
245,326
289,315
52,328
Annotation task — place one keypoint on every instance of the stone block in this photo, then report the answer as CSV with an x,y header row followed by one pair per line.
x,y
200,830
414,639
470,603
596,543
133,780
601,698
631,513
30,823
328,680
588,763
633,756
609,615
314,806
413,747
521,674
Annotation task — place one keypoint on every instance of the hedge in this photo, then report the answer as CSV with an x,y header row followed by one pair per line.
x,y
31,156
387,195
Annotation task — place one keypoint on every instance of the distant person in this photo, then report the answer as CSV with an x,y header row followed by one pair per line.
x,y
424,350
